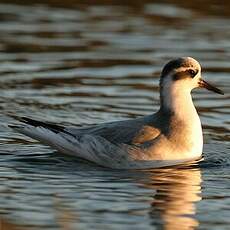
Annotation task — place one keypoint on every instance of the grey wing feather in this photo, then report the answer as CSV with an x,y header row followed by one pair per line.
x,y
115,132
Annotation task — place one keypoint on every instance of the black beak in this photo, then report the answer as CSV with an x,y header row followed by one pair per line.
x,y
206,85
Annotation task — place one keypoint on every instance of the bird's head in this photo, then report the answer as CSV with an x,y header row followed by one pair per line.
x,y
184,74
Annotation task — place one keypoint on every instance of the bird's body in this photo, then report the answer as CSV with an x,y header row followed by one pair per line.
x,y
172,135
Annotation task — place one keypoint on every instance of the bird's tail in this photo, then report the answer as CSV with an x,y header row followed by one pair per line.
x,y
47,133
92,148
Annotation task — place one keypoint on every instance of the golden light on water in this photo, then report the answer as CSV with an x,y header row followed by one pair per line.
x,y
177,192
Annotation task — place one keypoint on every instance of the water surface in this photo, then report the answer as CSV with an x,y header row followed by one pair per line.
x,y
86,64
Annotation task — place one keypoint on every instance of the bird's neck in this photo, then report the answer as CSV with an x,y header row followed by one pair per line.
x,y
184,122
178,102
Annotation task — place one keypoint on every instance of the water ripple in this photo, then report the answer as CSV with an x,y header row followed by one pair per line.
x,y
88,64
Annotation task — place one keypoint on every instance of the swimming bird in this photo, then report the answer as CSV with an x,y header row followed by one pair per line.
x,y
171,136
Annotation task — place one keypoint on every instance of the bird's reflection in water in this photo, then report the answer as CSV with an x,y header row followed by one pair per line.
x,y
174,204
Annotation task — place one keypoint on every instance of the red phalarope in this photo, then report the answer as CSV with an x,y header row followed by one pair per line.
x,y
171,136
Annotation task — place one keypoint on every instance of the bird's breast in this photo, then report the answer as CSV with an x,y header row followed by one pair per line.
x,y
186,136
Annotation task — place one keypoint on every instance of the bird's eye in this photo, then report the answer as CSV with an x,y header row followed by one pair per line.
x,y
192,72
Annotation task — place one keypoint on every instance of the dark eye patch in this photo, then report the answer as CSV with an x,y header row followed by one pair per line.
x,y
185,74
192,72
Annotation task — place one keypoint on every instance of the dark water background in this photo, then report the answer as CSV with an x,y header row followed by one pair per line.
x,y
81,62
